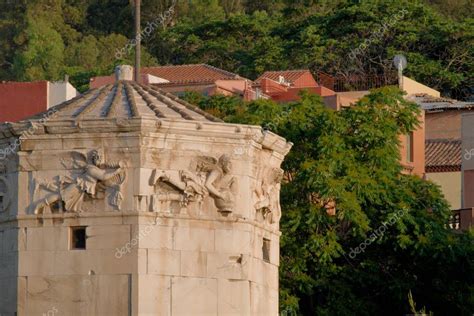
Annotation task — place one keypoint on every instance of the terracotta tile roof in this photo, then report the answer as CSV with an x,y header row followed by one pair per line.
x,y
442,155
200,73
289,75
100,81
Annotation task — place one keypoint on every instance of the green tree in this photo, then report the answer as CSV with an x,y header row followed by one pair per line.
x,y
198,11
456,9
12,22
248,37
43,57
389,235
84,53
242,43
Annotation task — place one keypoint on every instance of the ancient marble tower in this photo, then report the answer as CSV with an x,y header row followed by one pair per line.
x,y
128,201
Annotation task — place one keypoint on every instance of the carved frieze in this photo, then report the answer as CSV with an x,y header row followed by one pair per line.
x,y
267,195
89,178
208,177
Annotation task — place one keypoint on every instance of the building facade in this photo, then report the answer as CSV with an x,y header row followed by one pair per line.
x,y
443,121
201,78
19,100
287,85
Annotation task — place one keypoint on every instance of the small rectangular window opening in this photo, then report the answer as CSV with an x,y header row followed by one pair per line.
x,y
410,147
266,250
78,238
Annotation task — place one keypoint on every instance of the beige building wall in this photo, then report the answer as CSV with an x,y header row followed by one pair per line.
x,y
451,186
445,124
59,92
417,164
411,86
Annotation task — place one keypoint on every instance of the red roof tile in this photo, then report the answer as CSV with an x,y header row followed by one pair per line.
x,y
200,73
290,75
100,81
442,155
176,74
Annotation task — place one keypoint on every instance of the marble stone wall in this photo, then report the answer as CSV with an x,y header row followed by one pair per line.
x,y
180,219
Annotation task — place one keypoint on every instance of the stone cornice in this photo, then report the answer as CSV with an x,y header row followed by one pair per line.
x,y
144,126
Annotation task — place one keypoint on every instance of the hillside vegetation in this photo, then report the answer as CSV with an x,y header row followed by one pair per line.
x,y
46,39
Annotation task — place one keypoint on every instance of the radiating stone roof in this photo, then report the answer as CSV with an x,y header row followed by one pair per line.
x,y
127,99
126,106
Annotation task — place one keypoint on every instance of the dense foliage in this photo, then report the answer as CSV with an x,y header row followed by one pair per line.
x,y
348,157
46,39
397,221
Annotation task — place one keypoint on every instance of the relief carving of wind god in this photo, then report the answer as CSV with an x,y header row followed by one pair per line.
x,y
91,178
209,177
267,196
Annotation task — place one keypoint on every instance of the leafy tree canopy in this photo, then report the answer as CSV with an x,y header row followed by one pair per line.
x,y
389,237
339,37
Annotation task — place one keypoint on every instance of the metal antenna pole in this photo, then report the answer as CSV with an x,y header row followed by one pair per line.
x,y
138,40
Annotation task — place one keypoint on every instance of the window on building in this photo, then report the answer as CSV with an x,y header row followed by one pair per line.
x,y
266,250
77,238
3,194
409,147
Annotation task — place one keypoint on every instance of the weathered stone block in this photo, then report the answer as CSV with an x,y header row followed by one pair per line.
x,y
8,295
195,239
194,296
227,266
164,262
77,295
233,297
36,263
154,295
47,263
193,263
263,273
153,236
107,237
13,239
263,301
48,238
233,241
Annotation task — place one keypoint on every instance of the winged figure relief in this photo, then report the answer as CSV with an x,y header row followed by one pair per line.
x,y
90,177
267,193
209,177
